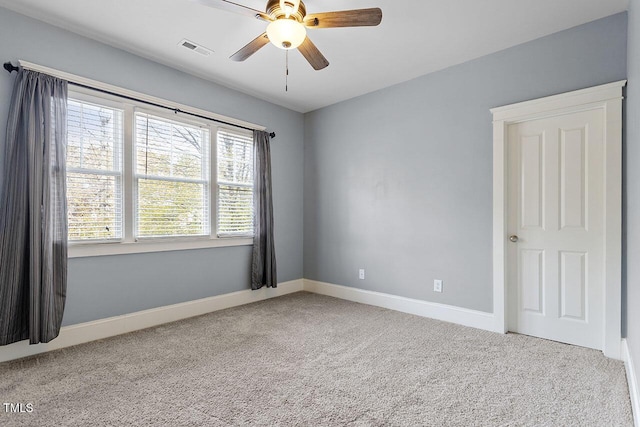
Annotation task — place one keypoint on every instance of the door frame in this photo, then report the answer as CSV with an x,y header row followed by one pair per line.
x,y
607,98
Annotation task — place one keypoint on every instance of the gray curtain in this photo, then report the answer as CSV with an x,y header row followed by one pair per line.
x,y
263,266
33,211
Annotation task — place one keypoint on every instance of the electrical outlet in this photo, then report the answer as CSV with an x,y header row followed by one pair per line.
x,y
437,285
361,274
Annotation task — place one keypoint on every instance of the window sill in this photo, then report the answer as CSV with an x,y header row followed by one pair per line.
x,y
82,250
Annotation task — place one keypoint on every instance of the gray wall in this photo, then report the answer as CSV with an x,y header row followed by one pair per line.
x,y
108,286
632,193
399,181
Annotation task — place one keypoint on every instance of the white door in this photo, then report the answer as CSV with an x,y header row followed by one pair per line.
x,y
556,205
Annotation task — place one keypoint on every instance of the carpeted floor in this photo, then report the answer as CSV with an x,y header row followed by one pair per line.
x,y
311,360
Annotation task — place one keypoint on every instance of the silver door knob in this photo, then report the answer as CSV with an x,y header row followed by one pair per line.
x,y
513,238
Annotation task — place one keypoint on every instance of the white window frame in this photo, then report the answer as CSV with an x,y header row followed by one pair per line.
x,y
215,184
129,244
109,103
211,226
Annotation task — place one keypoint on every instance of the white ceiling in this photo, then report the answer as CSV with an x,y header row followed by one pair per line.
x,y
415,38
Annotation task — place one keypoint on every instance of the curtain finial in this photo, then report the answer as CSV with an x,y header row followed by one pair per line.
x,y
10,67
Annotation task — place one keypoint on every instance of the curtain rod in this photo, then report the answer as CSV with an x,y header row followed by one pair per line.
x,y
10,68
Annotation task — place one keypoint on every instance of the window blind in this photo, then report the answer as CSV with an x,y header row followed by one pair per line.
x,y
94,171
235,183
172,175
161,164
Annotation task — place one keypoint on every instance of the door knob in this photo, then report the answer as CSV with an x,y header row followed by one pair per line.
x,y
513,238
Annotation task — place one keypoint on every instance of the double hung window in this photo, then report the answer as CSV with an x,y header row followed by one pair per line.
x,y
171,177
94,171
235,184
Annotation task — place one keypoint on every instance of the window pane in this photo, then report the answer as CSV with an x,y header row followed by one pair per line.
x,y
94,206
235,158
235,183
169,208
172,167
235,210
93,139
170,149
94,171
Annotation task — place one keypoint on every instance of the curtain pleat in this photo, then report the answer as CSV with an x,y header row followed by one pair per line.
x,y
33,211
263,266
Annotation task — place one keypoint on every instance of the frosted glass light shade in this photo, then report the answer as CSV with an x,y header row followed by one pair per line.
x,y
286,33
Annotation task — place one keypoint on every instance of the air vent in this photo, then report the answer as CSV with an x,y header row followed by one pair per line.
x,y
195,47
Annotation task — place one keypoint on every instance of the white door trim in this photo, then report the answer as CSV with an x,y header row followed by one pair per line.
x,y
607,97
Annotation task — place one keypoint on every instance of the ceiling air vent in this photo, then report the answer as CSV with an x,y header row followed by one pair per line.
x,y
195,47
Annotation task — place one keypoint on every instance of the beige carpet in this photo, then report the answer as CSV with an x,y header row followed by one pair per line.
x,y
311,360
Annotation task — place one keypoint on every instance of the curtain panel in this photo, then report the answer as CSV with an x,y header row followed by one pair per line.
x,y
33,211
263,266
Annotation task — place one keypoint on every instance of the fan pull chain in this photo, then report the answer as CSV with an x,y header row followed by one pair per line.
x,y
286,76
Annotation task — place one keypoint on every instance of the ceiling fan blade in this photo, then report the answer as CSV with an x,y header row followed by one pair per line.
x,y
346,18
313,55
235,7
252,47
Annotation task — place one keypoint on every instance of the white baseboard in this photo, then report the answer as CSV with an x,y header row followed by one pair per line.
x,y
447,313
112,326
109,327
632,379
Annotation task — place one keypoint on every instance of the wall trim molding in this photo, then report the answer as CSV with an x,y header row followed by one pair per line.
x,y
632,380
550,105
446,313
112,326
117,325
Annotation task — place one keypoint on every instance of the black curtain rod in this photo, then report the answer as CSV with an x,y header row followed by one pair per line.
x,y
10,68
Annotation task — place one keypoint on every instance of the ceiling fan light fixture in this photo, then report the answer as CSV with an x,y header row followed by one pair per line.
x,y
286,33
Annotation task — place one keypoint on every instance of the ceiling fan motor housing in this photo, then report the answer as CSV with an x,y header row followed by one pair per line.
x,y
274,10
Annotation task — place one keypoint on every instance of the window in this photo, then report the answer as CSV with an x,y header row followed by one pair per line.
x,y
172,178
94,171
235,184
137,175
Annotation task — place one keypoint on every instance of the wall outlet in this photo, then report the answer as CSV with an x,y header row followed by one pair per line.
x,y
437,285
361,274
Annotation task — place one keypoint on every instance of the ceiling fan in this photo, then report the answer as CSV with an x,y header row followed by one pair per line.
x,y
288,23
